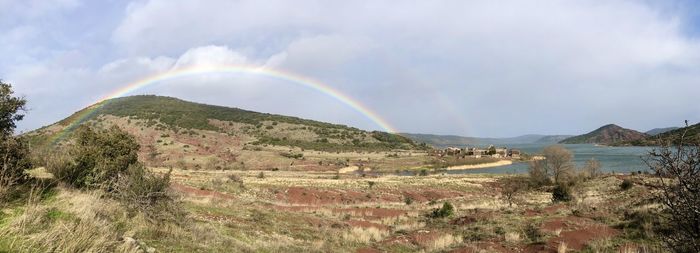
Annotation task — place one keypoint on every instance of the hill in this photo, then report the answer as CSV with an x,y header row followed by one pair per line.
x,y
176,132
455,140
656,131
552,139
608,134
692,136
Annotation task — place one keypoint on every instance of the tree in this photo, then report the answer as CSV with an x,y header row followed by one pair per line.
x,y
592,168
11,110
97,158
538,173
558,162
678,170
492,150
14,153
511,187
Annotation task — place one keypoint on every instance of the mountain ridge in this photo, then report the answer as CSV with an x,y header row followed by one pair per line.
x,y
457,140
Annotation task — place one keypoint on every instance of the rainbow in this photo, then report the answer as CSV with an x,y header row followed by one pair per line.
x,y
226,69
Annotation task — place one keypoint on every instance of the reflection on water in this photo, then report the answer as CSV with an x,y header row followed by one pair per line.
x,y
612,159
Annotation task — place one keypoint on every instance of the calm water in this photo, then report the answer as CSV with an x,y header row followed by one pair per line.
x,y
612,159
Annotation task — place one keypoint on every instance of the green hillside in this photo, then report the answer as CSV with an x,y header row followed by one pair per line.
x,y
172,114
691,136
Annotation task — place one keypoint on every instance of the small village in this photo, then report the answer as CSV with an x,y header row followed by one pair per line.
x,y
476,152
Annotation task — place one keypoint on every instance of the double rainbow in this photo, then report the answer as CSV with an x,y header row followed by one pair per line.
x,y
227,69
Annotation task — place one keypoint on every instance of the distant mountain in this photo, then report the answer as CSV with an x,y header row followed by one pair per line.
x,y
608,134
692,136
455,140
552,139
656,131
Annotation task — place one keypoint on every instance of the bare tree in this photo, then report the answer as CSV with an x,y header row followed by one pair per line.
x,y
538,173
678,170
511,187
558,162
592,168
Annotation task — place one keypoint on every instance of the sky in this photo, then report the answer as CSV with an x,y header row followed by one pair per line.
x,y
472,68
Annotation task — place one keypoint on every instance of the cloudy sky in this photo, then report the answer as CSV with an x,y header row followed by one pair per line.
x,y
477,68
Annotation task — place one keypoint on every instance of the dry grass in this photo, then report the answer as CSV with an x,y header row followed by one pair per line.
x,y
512,237
441,242
364,235
562,248
75,222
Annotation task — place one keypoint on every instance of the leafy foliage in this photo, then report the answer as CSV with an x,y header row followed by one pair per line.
x,y
14,153
561,193
97,158
15,160
11,109
445,211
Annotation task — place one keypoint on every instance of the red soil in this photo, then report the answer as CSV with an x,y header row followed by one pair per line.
x,y
577,239
306,196
367,250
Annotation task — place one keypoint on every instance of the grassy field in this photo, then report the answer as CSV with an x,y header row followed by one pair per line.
x,y
322,211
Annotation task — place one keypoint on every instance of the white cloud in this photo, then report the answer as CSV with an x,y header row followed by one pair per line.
x,y
465,67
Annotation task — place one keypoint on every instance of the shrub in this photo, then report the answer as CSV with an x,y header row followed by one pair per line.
x,y
561,193
97,158
538,174
408,200
445,211
626,184
533,232
371,184
15,159
423,172
14,153
261,175
143,191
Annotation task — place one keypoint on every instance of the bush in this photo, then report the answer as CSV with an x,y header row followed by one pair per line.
x,y
626,184
533,232
445,211
142,191
538,174
97,158
561,193
408,200
15,159
423,172
14,152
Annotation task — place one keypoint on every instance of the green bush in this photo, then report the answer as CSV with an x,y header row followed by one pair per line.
x,y
97,158
445,211
561,193
626,184
15,161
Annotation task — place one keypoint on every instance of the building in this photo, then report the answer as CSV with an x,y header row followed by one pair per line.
x,y
514,153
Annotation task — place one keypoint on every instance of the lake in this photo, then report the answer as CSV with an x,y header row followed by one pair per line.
x,y
612,159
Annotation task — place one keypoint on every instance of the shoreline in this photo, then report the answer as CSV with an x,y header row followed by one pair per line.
x,y
479,166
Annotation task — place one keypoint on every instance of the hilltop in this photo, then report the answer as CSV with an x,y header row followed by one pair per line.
x,y
175,132
608,134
